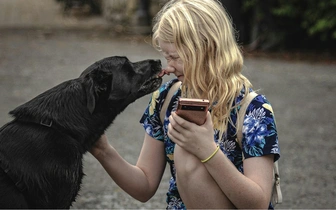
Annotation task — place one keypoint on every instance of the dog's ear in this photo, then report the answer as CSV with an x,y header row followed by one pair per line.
x,y
97,86
117,93
90,94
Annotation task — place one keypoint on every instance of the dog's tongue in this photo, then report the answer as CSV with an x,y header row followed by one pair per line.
x,y
163,72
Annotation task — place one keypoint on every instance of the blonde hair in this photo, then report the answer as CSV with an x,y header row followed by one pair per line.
x,y
204,38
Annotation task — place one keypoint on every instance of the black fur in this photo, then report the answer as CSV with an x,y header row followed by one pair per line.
x,y
42,164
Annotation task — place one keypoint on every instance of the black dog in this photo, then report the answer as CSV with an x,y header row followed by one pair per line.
x,y
41,150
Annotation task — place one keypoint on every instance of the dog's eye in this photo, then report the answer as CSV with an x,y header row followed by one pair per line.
x,y
101,88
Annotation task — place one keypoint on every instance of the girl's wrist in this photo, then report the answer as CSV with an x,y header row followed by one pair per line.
x,y
211,155
101,152
206,151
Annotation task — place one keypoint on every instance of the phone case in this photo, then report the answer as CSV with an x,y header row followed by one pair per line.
x,y
193,110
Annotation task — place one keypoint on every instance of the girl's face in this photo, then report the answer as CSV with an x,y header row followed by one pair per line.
x,y
174,62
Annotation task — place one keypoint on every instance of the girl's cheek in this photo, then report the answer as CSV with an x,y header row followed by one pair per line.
x,y
180,68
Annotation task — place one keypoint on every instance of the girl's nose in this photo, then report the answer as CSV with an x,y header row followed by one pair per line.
x,y
169,69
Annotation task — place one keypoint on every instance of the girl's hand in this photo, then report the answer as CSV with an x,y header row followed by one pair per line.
x,y
100,146
197,140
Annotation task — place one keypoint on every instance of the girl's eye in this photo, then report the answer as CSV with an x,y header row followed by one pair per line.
x,y
169,58
172,58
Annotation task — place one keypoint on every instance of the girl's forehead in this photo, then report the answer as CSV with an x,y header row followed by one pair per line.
x,y
167,47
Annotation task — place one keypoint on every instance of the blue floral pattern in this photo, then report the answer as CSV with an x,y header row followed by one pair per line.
x,y
259,134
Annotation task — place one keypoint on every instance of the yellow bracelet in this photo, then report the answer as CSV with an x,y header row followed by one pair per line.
x,y
211,156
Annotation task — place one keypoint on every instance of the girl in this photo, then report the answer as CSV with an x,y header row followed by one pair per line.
x,y
207,165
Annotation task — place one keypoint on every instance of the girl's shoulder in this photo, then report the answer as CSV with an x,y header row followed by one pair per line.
x,y
164,89
259,129
161,93
159,96
259,100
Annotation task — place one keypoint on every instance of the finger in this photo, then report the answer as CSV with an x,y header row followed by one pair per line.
x,y
174,124
184,124
173,134
208,121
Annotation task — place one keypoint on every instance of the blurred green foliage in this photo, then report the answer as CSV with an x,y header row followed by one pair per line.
x,y
305,21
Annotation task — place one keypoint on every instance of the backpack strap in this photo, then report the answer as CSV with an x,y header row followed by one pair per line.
x,y
240,116
276,193
168,98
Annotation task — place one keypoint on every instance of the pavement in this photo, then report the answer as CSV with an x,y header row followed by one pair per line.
x,y
44,14
40,48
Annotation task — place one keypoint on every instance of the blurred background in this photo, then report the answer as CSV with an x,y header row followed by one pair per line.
x,y
260,25
289,50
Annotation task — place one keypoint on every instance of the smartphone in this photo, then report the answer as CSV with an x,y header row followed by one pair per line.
x,y
193,110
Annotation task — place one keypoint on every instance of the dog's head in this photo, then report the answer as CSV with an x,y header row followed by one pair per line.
x,y
116,82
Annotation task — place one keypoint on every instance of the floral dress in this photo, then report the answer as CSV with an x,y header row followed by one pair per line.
x,y
259,134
